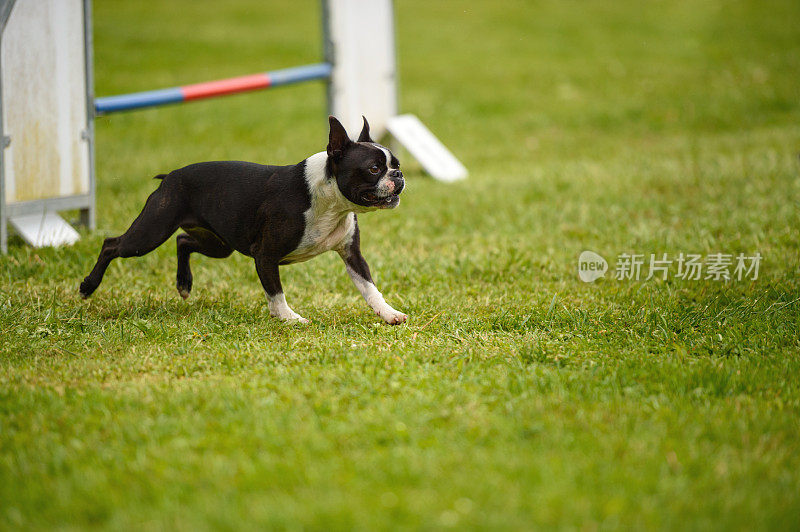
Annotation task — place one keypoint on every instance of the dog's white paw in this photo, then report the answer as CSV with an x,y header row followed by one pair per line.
x,y
294,317
392,316
279,309
299,319
290,317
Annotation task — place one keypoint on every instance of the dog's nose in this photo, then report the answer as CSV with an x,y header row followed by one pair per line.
x,y
397,180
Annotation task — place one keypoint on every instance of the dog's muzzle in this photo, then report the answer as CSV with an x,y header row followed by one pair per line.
x,y
386,193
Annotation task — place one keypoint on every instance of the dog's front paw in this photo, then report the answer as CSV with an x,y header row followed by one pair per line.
x,y
392,316
290,317
298,319
279,309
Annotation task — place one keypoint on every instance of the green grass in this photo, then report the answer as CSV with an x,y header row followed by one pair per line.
x,y
516,396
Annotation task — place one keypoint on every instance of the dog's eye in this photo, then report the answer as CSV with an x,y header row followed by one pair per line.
x,y
374,169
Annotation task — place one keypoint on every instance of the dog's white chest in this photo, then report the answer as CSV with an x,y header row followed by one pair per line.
x,y
330,221
324,232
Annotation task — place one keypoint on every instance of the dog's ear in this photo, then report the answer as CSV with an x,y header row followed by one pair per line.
x,y
364,136
338,139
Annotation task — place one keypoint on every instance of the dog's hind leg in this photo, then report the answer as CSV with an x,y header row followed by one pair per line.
x,y
154,225
198,241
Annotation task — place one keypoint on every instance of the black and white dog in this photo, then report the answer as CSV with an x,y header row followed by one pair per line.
x,y
275,214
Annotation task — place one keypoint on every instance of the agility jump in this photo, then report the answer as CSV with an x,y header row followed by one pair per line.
x,y
359,67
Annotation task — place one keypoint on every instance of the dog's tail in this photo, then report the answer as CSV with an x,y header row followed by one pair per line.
x,y
160,176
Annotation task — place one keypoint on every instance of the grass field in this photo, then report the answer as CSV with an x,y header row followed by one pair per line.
x,y
516,396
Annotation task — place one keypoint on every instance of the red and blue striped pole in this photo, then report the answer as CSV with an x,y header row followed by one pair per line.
x,y
209,89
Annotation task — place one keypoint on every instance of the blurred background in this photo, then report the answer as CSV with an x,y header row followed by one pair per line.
x,y
651,115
